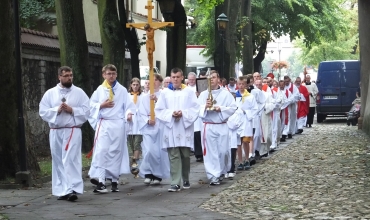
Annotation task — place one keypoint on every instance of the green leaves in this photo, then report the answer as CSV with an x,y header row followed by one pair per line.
x,y
31,11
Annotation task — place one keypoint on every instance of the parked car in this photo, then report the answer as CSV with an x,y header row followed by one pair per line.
x,y
337,82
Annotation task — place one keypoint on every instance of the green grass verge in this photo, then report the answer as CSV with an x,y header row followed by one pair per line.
x,y
45,165
3,217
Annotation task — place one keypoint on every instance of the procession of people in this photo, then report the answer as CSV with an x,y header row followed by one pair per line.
x,y
228,127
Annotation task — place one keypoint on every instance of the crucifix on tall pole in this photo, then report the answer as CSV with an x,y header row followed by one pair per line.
x,y
150,27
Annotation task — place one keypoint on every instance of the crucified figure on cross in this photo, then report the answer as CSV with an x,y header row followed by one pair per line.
x,y
150,28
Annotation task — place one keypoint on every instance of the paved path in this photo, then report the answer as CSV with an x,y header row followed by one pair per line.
x,y
321,174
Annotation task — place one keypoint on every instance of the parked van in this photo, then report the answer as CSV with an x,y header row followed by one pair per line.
x,y
337,82
144,73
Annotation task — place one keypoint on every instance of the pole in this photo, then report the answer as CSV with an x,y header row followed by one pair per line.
x,y
18,70
279,65
223,55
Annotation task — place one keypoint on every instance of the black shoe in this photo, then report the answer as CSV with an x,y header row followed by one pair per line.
x,y
300,131
310,126
186,185
65,197
114,187
265,155
282,139
247,165
101,188
240,167
290,136
94,181
252,161
72,196
199,159
174,188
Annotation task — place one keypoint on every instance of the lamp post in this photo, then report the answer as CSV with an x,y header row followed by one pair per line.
x,y
279,50
222,25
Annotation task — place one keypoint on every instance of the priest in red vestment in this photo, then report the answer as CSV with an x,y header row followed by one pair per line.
x,y
303,105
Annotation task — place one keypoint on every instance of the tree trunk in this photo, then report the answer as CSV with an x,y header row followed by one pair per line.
x,y
247,38
176,38
231,39
112,37
131,39
260,57
9,160
74,52
364,30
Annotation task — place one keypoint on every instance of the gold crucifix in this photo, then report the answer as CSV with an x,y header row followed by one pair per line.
x,y
150,27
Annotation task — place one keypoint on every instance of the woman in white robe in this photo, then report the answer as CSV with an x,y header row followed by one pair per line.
x,y
155,164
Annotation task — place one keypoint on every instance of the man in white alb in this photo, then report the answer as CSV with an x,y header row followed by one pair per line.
x,y
177,108
65,107
215,135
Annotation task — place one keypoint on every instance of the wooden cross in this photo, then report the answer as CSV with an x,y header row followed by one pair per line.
x,y
150,27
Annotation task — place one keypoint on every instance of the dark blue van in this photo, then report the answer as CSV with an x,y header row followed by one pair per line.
x,y
337,82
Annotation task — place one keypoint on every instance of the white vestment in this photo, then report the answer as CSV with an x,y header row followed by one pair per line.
x,y
132,126
65,136
285,105
266,123
215,132
110,151
177,133
250,109
280,99
257,137
236,125
292,108
155,160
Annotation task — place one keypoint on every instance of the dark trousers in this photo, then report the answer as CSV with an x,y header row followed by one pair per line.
x,y
233,158
198,152
310,115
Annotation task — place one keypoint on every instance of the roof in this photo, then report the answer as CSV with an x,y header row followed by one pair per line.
x,y
42,39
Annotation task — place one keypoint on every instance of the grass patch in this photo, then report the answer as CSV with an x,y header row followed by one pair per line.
x,y
3,217
7,180
45,165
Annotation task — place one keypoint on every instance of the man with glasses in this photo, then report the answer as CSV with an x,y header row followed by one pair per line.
x,y
65,107
110,107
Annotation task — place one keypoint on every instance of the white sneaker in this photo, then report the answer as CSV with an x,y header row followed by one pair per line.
x,y
226,175
147,181
232,175
156,182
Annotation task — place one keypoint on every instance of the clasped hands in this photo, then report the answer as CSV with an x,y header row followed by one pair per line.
x,y
107,104
65,107
209,104
177,115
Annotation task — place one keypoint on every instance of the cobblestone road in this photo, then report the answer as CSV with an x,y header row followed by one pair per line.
x,y
323,174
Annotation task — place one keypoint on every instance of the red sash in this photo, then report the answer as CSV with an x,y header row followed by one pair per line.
x,y
286,109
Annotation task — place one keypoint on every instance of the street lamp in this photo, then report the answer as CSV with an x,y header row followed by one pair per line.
x,y
222,25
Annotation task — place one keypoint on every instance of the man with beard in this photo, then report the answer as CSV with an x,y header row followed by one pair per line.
x,y
65,107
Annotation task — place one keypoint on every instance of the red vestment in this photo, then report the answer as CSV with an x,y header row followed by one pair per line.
x,y
303,106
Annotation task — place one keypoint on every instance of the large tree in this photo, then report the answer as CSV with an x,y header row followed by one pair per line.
x,y
112,37
312,19
74,51
9,135
131,39
176,36
363,14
